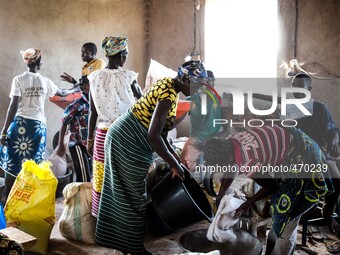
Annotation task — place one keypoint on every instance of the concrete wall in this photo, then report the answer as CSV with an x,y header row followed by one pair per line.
x,y
158,29
171,33
317,45
59,28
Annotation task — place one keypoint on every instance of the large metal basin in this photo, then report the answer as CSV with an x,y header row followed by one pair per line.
x,y
245,244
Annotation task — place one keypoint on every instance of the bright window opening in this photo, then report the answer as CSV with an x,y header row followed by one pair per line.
x,y
241,38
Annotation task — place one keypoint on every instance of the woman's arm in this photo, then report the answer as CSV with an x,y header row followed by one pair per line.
x,y
269,185
60,149
11,111
66,92
93,115
332,140
137,91
227,180
156,127
170,148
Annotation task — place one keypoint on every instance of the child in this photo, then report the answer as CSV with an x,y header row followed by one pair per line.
x,y
88,55
76,118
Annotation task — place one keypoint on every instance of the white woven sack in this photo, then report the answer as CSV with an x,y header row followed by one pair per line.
x,y
76,221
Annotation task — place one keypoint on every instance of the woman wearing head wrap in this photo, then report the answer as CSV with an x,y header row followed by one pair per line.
x,y
23,135
202,126
129,146
286,152
112,92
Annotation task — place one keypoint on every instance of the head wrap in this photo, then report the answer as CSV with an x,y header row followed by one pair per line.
x,y
30,55
113,45
194,70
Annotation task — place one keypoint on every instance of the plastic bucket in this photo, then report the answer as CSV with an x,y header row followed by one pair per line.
x,y
63,181
180,204
156,224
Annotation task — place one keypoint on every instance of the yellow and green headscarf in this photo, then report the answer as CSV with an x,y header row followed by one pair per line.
x,y
112,45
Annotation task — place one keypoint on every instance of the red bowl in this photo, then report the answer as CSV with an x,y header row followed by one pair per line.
x,y
182,108
63,102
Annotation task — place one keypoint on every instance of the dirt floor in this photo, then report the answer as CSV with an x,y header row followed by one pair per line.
x,y
169,244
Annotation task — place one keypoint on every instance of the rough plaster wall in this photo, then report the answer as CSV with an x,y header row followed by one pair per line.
x,y
171,35
317,45
286,26
59,28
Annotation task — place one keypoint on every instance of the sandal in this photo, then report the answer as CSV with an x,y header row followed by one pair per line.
x,y
315,233
312,229
332,246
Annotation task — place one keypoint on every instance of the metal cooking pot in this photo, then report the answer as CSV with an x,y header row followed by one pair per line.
x,y
180,204
245,244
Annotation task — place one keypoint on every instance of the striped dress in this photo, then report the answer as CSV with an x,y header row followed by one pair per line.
x,y
121,221
112,96
98,168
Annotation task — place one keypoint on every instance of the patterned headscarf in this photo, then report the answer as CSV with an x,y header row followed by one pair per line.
x,y
112,45
194,70
30,55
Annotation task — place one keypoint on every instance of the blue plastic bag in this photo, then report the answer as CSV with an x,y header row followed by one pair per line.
x,y
2,217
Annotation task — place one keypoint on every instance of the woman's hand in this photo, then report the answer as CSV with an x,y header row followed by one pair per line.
x,y
178,171
218,199
333,148
68,78
3,141
159,142
190,164
60,150
333,144
239,211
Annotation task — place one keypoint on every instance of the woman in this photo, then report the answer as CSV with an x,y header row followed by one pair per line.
x,y
129,146
112,92
202,126
23,135
288,152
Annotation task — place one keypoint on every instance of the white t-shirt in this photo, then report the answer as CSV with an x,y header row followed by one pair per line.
x,y
32,89
111,93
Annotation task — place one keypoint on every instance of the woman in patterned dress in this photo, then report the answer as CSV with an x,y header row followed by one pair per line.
x,y
23,135
299,167
129,146
9,246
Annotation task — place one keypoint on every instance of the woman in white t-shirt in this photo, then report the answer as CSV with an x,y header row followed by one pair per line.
x,y
23,135
112,92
